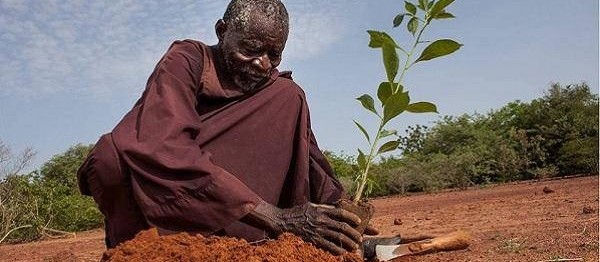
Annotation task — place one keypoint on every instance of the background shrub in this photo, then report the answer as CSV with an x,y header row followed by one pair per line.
x,y
555,135
47,201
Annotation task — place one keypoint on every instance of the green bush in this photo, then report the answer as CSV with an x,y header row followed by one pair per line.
x,y
48,200
563,119
18,208
579,155
346,168
554,135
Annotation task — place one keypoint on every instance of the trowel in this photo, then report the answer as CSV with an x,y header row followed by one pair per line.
x,y
453,241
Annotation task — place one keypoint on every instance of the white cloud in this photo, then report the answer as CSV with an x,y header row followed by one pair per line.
x,y
104,48
314,27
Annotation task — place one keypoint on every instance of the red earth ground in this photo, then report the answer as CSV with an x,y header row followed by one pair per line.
x,y
511,222
148,245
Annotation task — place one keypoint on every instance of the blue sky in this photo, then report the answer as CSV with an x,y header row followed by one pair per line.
x,y
71,69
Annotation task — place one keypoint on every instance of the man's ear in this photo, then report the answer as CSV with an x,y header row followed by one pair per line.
x,y
220,29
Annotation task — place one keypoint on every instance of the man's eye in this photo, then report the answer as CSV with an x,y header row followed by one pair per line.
x,y
252,50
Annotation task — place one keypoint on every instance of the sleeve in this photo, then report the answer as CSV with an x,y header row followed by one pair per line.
x,y
325,187
175,182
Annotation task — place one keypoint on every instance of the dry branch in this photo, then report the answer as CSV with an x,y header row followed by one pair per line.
x,y
562,259
14,229
56,231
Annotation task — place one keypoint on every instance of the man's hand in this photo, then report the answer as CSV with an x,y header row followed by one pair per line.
x,y
323,225
370,230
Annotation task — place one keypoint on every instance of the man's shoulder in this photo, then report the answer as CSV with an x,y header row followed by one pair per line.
x,y
188,43
193,48
287,83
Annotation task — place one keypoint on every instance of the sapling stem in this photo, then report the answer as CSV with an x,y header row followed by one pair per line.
x,y
412,50
365,174
400,102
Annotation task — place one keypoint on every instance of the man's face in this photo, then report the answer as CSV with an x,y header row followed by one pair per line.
x,y
252,52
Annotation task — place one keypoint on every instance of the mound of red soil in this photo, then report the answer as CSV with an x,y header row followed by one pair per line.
x,y
149,246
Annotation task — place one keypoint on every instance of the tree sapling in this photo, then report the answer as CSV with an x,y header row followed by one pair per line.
x,y
392,95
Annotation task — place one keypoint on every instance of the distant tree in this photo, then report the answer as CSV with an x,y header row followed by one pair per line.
x,y
62,168
575,110
451,133
346,168
12,200
11,164
471,152
566,120
45,202
556,134
413,140
343,165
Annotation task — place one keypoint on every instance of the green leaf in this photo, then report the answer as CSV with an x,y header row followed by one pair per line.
x,y
384,91
367,102
423,4
430,4
439,48
380,39
361,160
443,15
398,19
422,107
362,129
412,26
389,146
390,62
371,185
395,105
385,133
411,8
438,7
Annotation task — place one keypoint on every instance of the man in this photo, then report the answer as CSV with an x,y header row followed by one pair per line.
x,y
220,143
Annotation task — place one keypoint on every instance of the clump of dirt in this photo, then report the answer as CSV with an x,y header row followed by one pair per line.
x,y
149,246
547,190
363,209
588,210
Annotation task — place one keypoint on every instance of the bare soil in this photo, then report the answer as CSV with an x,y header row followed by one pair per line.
x,y
511,222
149,246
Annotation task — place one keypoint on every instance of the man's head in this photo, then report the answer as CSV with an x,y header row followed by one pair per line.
x,y
252,35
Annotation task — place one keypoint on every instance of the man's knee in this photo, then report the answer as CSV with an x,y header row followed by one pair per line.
x,y
102,175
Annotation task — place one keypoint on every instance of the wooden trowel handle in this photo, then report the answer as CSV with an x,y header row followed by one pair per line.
x,y
453,241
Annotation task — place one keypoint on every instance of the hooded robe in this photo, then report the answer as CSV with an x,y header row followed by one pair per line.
x,y
196,154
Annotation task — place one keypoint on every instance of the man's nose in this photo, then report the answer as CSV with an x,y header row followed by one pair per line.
x,y
263,63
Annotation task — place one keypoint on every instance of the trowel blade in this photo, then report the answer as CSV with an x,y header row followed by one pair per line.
x,y
388,252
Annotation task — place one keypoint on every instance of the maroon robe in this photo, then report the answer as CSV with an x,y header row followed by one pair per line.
x,y
195,154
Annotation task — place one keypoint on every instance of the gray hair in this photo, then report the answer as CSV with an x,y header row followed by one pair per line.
x,y
239,11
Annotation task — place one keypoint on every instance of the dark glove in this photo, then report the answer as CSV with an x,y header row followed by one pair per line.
x,y
325,226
